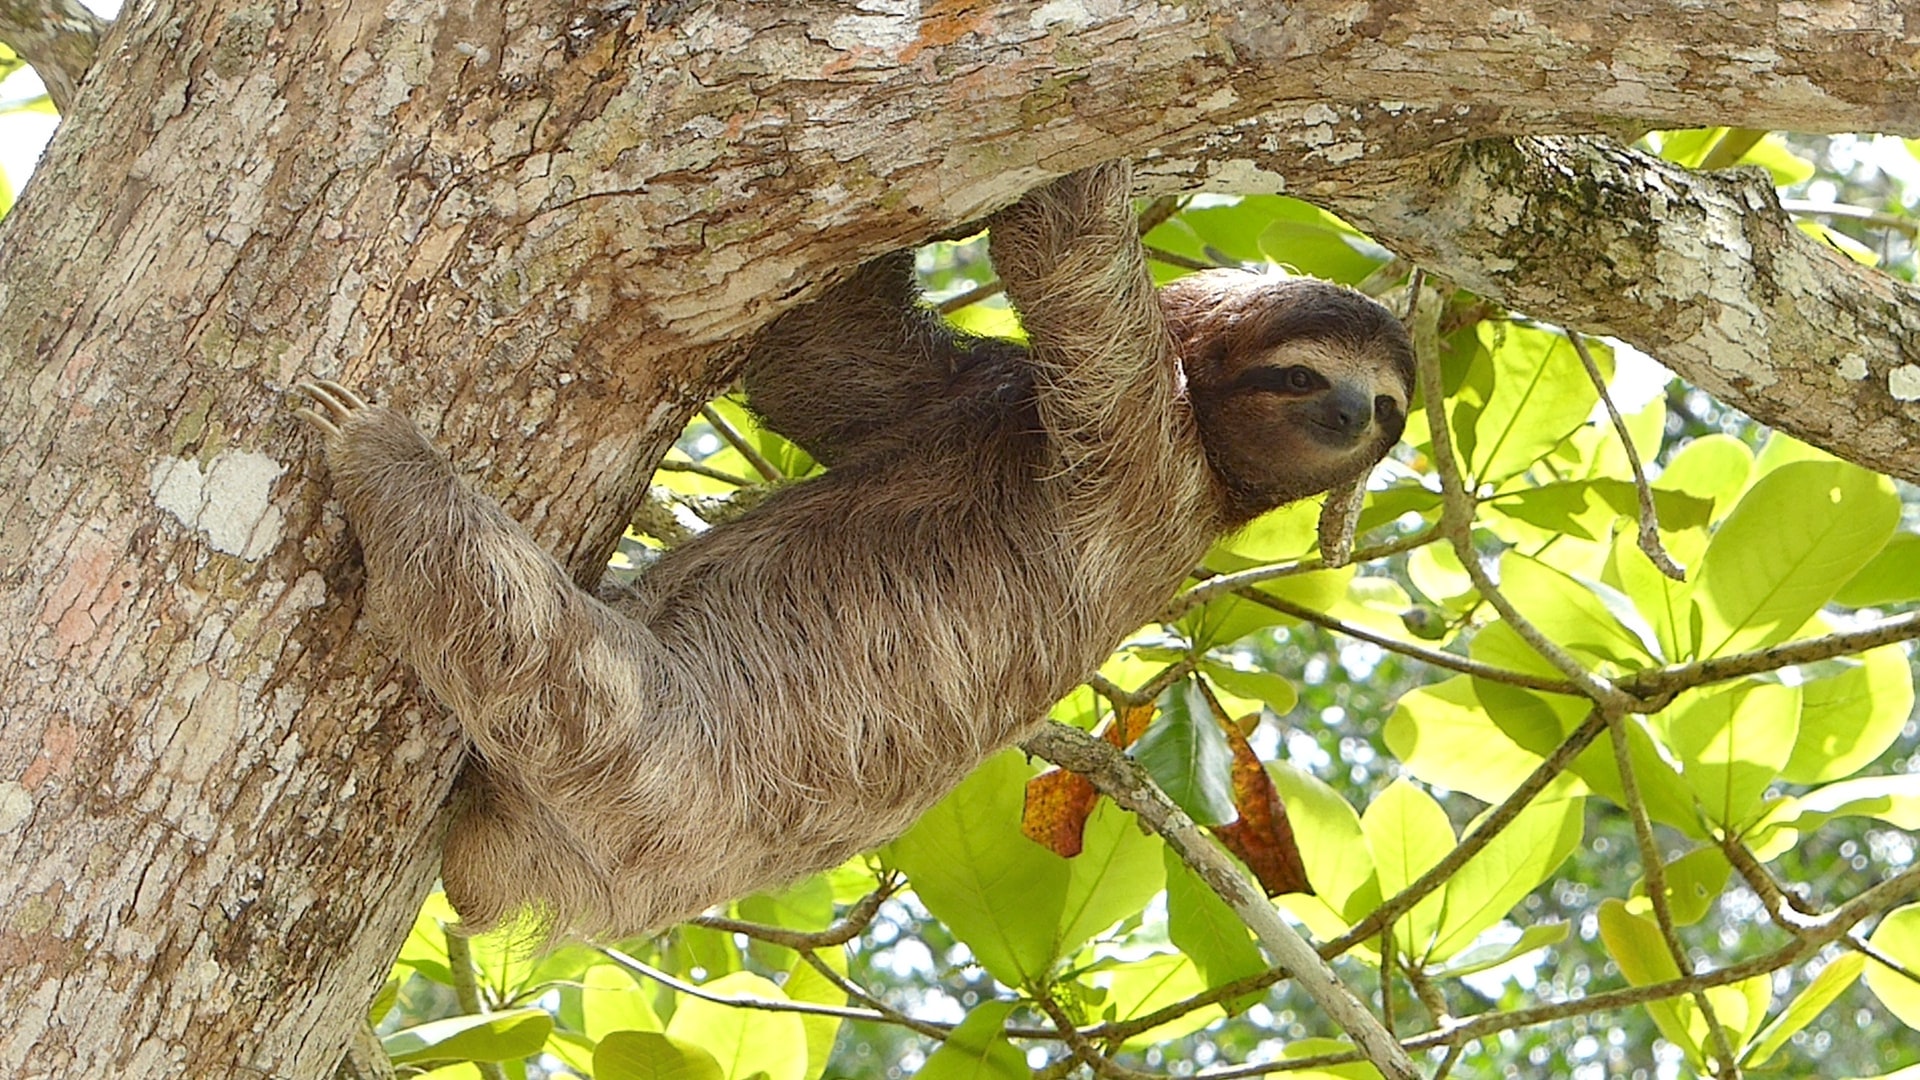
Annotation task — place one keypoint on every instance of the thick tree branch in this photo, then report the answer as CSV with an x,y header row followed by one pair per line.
x,y
1703,271
58,37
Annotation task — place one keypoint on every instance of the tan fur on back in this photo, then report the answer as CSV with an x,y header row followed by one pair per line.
x,y
799,684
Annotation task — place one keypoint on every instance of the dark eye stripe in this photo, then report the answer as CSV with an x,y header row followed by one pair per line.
x,y
1281,380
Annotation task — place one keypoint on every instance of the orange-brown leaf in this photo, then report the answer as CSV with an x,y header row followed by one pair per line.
x,y
1263,837
1055,815
1130,725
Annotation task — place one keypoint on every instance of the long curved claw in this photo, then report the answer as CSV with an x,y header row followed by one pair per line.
x,y
336,404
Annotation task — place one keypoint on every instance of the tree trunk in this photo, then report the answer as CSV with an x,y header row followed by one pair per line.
x,y
539,231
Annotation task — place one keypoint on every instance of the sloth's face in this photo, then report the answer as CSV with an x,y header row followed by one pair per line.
x,y
1298,386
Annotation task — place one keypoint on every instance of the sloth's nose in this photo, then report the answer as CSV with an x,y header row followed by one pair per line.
x,y
1346,413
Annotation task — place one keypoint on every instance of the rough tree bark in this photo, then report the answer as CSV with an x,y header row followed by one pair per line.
x,y
539,230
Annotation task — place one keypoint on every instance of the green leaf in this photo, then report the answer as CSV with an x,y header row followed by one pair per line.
x,y
1898,939
1539,395
1635,944
649,1055
1332,841
1589,509
804,983
1665,605
1832,981
1187,754
1138,987
1731,742
1277,536
1526,853
1694,882
1443,735
978,1049
1668,797
1772,154
1495,953
1848,718
383,1001
999,892
1535,720
1688,147
743,1040
1893,799
611,1001
1892,577
1407,832
425,949
502,1036
1797,536
1585,618
1436,571
1276,692
1116,873
1271,229
1312,241
1226,619
1206,929
1741,1007
988,320
1713,467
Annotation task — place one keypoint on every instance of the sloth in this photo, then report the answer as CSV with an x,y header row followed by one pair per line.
x,y
797,685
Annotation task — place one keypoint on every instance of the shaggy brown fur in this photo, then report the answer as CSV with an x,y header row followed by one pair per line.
x,y
799,684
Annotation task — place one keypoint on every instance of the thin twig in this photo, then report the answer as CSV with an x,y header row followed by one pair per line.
x,y
1122,1030
860,993
1174,258
1787,911
1649,535
1457,512
1471,844
1148,691
739,442
1214,584
1896,222
1667,680
1159,211
1083,1049
807,1008
845,929
1126,783
701,469
1866,948
1654,872
1830,928
1436,657
1387,955
989,288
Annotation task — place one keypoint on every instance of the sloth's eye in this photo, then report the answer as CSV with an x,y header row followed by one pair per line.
x,y
1283,380
1385,409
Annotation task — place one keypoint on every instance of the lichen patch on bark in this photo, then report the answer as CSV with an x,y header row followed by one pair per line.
x,y
230,502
